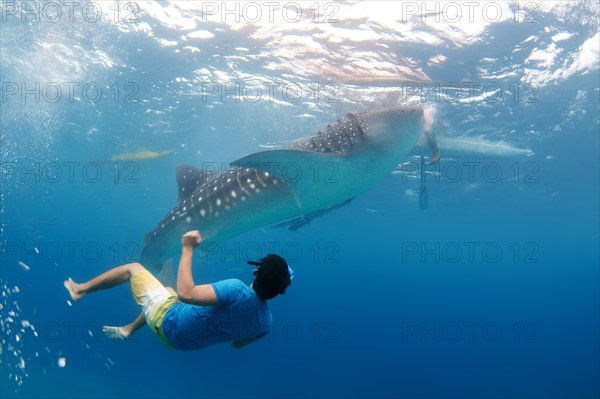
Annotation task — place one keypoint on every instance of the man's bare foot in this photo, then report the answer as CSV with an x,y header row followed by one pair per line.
x,y
117,332
74,289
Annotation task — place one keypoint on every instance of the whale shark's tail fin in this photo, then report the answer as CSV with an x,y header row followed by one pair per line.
x,y
166,275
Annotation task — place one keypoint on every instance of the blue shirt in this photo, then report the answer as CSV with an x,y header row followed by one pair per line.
x,y
240,314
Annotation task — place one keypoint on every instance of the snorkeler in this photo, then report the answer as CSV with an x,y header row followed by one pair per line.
x,y
196,316
433,146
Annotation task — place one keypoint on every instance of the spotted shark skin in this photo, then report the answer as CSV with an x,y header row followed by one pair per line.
x,y
360,148
340,137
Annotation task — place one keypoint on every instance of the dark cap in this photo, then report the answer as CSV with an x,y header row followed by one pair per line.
x,y
273,276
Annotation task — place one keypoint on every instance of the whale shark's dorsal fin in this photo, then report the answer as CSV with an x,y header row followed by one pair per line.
x,y
189,178
274,161
277,163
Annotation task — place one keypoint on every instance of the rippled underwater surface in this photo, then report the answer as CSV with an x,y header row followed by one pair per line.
x,y
491,291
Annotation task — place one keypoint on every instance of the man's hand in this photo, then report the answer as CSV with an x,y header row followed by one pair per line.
x,y
191,239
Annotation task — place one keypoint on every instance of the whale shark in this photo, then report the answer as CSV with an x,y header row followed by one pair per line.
x,y
310,175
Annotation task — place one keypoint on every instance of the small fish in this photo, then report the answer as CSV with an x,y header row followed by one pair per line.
x,y
142,155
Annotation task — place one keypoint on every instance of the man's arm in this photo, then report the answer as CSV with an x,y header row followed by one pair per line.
x,y
187,291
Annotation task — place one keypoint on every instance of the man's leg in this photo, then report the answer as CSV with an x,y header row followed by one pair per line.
x,y
109,279
125,331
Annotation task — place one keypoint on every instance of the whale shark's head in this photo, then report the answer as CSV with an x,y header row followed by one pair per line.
x,y
385,129
392,129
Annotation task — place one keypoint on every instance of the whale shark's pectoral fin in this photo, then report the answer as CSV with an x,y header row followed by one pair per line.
x,y
293,224
296,223
281,162
189,178
300,169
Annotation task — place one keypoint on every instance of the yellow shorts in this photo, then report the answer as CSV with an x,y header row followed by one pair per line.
x,y
154,299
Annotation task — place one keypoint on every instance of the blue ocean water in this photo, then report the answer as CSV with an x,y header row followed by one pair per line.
x,y
491,291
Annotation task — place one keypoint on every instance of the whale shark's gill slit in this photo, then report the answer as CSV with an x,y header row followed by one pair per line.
x,y
358,134
262,183
240,185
